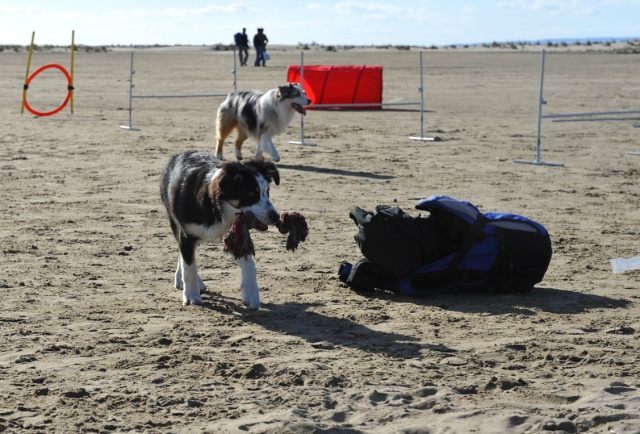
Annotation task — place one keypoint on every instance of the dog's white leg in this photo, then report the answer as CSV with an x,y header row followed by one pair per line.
x,y
238,153
190,283
249,283
272,149
178,277
266,145
242,136
259,147
220,149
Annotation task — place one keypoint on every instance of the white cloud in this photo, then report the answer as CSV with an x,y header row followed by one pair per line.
x,y
41,15
554,7
232,9
21,10
367,7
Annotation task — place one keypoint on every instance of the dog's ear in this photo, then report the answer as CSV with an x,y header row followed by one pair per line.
x,y
286,91
226,184
282,92
265,168
271,172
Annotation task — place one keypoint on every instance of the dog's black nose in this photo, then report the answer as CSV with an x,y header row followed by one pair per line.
x,y
274,216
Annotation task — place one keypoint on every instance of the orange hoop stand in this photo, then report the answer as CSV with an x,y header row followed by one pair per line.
x,y
66,100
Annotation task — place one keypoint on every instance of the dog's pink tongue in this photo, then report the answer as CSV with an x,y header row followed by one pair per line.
x,y
299,108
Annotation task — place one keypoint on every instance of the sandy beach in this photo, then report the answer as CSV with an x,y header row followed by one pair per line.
x,y
95,337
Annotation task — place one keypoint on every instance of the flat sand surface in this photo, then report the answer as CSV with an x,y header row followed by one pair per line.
x,y
94,337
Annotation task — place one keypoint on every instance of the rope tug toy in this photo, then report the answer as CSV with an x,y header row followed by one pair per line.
x,y
295,225
237,240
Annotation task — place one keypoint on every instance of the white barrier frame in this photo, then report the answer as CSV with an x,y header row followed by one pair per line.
x,y
132,96
541,101
569,117
355,105
421,90
302,141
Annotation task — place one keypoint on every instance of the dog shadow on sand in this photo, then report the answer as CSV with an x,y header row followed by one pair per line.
x,y
324,331
329,171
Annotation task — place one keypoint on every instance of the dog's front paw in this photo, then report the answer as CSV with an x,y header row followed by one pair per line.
x,y
252,304
273,155
191,294
239,154
178,283
188,299
251,297
220,156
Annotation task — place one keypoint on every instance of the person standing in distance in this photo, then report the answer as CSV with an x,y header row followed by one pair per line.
x,y
242,42
260,43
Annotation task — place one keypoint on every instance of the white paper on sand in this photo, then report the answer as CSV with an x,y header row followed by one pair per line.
x,y
618,265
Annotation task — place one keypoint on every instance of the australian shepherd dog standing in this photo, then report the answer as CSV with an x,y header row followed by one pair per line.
x,y
259,116
203,198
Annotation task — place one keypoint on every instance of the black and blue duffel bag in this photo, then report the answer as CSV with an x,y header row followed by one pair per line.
x,y
455,247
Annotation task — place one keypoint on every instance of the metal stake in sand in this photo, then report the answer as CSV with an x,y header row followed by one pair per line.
x,y
421,90
302,142
635,153
131,72
234,70
541,101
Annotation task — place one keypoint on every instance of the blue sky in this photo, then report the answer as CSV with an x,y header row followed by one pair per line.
x,y
380,22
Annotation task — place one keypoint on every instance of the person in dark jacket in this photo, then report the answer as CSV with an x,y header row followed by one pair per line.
x,y
260,43
242,42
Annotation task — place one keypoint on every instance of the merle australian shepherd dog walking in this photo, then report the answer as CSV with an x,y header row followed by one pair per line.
x,y
259,116
203,197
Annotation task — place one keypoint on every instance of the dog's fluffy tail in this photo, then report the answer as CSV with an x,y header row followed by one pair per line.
x,y
223,128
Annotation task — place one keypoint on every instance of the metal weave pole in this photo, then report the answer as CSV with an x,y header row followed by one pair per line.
x,y
131,72
132,96
541,102
635,153
302,142
421,90
235,68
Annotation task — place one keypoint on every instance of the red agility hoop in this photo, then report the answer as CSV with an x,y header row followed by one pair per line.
x,y
66,100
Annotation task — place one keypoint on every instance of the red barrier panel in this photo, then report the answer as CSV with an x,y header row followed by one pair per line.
x,y
327,84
